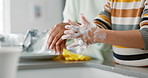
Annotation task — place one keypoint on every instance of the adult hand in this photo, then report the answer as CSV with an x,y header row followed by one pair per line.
x,y
54,41
87,31
59,48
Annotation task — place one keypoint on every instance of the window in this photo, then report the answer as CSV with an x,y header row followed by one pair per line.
x,y
6,27
1,17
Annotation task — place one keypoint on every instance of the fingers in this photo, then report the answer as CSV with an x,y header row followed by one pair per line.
x,y
76,35
63,46
52,34
69,32
71,27
55,34
54,41
72,46
84,20
59,44
68,37
72,23
60,47
72,32
59,41
54,48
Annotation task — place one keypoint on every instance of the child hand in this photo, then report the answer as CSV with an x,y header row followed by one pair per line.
x,y
87,31
78,46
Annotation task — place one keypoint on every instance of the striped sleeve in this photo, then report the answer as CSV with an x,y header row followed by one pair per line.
x,y
144,25
103,20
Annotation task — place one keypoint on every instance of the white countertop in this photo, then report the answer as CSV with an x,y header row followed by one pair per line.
x,y
140,72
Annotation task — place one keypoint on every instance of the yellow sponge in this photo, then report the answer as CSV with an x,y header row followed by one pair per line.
x,y
69,56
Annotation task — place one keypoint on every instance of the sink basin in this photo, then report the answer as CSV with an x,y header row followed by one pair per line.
x,y
69,72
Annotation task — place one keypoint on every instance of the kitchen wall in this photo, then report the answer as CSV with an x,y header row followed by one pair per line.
x,y
38,14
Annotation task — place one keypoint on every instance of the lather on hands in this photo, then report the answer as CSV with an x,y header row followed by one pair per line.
x,y
87,31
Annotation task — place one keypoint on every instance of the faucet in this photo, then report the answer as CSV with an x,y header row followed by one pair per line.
x,y
2,39
35,41
30,40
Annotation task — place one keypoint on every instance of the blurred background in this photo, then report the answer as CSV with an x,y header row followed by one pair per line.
x,y
17,16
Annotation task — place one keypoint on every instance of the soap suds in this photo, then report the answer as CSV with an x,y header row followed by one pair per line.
x,y
84,30
102,36
98,35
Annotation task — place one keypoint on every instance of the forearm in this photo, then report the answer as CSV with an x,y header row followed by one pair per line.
x,y
131,39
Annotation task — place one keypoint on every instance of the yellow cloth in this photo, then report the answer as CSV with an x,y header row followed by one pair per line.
x,y
70,56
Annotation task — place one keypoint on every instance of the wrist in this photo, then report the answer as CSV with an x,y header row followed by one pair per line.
x,y
105,36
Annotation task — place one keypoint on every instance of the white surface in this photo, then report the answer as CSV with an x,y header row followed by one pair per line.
x,y
23,17
1,16
7,15
73,72
37,56
8,61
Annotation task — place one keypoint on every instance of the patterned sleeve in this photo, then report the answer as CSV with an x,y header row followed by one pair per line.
x,y
144,25
103,20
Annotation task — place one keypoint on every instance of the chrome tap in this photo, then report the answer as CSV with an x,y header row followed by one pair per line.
x,y
30,40
34,40
2,39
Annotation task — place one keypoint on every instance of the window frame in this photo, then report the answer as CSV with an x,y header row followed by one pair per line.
x,y
7,16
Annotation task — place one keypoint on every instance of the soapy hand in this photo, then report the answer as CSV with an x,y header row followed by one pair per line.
x,y
78,46
87,31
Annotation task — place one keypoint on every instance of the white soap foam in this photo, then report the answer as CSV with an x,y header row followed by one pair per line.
x,y
97,35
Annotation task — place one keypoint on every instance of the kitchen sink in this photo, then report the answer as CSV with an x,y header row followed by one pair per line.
x,y
69,72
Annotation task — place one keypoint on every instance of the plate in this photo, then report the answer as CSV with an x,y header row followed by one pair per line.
x,y
37,56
